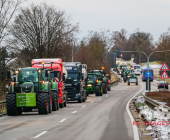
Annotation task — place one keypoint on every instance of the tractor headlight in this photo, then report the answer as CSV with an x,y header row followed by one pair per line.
x,y
89,85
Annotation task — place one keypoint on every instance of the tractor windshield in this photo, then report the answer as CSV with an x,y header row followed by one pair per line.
x,y
28,75
92,77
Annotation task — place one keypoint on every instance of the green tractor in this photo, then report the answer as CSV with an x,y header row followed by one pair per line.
x,y
132,78
125,74
101,77
93,84
30,91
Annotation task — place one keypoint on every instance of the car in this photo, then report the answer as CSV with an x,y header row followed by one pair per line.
x,y
132,78
161,84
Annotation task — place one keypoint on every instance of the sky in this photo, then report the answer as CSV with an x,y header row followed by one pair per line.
x,y
151,16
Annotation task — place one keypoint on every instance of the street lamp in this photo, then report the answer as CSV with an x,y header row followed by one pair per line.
x,y
147,56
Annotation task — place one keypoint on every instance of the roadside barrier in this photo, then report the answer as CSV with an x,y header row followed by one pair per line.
x,y
2,107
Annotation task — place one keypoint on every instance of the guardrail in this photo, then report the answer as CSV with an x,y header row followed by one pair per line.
x,y
112,82
155,103
2,106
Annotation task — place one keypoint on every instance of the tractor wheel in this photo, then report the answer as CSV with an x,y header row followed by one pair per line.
x,y
27,109
50,105
58,104
43,103
11,105
84,99
109,87
54,101
128,83
97,90
136,82
104,88
124,79
61,105
101,90
87,93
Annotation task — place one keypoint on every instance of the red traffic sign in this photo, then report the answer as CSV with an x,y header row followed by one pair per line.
x,y
164,67
164,75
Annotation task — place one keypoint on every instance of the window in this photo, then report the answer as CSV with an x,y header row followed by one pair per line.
x,y
28,75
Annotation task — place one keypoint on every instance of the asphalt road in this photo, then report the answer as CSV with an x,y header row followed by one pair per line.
x,y
99,118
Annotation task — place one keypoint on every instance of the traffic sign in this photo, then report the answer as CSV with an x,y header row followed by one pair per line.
x,y
164,67
164,75
148,74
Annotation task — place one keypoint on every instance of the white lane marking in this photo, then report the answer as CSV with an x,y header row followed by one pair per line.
x,y
40,134
63,120
106,95
83,105
99,98
92,102
74,112
135,129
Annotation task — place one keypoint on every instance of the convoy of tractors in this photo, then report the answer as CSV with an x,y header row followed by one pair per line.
x,y
50,83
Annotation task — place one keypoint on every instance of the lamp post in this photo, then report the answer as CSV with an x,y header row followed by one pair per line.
x,y
147,56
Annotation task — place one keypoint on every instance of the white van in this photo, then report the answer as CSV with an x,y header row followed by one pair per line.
x,y
137,69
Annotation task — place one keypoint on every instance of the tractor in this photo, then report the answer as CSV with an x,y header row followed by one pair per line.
x,y
93,84
28,91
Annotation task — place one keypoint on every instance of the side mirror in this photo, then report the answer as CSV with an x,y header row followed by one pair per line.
x,y
55,73
46,73
8,74
64,78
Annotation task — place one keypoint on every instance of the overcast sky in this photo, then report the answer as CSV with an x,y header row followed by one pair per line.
x,y
151,16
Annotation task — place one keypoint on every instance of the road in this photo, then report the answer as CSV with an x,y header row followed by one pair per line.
x,y
99,118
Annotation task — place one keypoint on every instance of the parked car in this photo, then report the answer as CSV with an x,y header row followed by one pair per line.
x,y
161,84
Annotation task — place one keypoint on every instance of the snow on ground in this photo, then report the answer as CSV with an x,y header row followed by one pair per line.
x,y
158,123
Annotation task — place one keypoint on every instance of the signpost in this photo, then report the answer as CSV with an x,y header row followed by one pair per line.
x,y
148,74
164,74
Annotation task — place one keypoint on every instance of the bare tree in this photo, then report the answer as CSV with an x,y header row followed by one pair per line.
x,y
42,30
7,10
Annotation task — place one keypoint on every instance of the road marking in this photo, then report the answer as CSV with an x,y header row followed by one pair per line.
x,y
92,102
74,112
99,98
106,95
83,105
135,129
63,120
40,134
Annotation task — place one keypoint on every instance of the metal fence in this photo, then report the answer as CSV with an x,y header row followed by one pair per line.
x,y
2,107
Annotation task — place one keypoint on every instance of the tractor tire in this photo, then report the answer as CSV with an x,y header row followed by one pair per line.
x,y
104,88
84,99
109,87
61,105
58,106
101,90
27,109
43,103
124,79
11,105
121,75
97,90
136,82
50,105
87,93
54,101
128,83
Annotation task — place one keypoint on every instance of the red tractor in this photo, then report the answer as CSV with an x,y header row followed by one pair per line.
x,y
54,65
